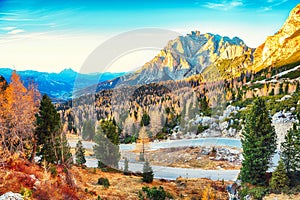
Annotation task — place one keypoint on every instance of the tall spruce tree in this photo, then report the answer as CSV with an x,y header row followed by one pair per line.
x,y
79,154
107,144
290,150
52,141
259,144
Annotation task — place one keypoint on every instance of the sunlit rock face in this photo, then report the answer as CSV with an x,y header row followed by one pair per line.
x,y
283,47
188,55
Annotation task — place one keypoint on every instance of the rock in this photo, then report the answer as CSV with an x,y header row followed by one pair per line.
x,y
11,196
224,125
233,151
286,97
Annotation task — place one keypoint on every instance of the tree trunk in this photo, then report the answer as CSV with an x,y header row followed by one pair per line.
x,y
33,153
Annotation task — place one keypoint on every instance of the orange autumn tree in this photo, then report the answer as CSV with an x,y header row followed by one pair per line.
x,y
18,106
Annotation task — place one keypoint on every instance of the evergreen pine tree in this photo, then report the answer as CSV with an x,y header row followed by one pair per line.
x,y
290,150
259,144
147,173
107,144
280,88
3,83
204,105
50,138
279,181
126,170
286,88
145,119
88,130
79,153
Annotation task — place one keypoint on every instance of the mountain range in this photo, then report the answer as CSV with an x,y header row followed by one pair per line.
x,y
59,86
208,54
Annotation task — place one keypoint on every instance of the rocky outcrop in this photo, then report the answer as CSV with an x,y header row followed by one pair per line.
x,y
11,196
283,47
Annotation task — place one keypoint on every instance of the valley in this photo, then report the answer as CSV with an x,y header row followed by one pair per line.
x,y
206,118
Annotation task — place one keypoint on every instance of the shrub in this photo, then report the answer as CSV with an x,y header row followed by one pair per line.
x,y
104,182
201,128
153,193
26,193
256,193
53,170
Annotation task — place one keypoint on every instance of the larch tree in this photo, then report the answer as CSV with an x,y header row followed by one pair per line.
x,y
17,116
259,144
156,122
142,142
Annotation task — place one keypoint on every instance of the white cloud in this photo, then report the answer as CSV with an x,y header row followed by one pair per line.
x,y
14,19
273,3
9,28
224,5
16,31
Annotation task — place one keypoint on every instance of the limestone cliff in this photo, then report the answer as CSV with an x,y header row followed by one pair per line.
x,y
283,47
188,55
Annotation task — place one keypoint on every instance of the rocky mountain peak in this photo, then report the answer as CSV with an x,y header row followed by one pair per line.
x,y
188,55
283,47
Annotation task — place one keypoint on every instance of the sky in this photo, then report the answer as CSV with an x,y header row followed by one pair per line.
x,y
53,35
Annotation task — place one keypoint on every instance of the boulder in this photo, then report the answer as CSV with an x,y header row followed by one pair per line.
x,y
11,196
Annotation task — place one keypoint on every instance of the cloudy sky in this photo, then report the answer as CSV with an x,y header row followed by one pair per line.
x,y
53,35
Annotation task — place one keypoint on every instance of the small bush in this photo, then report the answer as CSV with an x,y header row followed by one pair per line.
x,y
256,193
153,193
26,193
104,182
201,128
53,170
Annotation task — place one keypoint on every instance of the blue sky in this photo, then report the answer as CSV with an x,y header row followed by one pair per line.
x,y
52,35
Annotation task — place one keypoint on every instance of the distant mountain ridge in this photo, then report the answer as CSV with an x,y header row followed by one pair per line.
x,y
59,85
